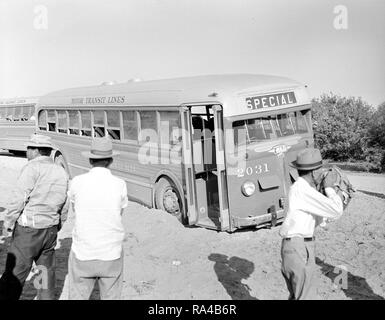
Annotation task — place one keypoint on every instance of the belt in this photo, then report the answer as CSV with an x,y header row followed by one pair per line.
x,y
304,239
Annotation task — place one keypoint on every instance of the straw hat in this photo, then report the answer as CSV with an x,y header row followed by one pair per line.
x,y
39,141
101,148
308,159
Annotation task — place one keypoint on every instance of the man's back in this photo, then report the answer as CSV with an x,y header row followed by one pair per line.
x,y
42,187
98,199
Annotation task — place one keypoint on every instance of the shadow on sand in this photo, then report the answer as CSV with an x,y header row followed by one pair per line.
x,y
373,194
29,291
230,272
357,288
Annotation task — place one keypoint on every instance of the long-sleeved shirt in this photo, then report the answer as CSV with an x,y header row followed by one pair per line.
x,y
307,209
39,199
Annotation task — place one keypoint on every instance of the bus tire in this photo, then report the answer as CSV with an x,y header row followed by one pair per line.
x,y
167,198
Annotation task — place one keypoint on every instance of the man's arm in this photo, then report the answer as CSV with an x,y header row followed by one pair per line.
x,y
65,208
329,206
20,195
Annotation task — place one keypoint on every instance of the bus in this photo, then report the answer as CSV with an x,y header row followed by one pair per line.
x,y
213,151
17,123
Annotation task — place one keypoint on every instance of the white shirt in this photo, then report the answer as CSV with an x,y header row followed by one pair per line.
x,y
307,208
98,198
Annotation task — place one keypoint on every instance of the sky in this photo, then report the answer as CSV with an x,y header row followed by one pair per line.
x,y
49,45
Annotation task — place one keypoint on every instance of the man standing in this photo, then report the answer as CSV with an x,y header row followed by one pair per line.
x,y
98,199
34,215
307,209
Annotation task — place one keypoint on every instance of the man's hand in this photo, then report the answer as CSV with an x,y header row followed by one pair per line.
x,y
330,180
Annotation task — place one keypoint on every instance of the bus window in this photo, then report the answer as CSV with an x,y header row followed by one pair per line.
x,y
270,134
17,114
42,120
85,123
148,126
31,112
275,126
24,113
62,121
9,113
99,127
256,130
113,124
299,121
73,116
3,112
130,125
170,133
51,120
271,127
285,124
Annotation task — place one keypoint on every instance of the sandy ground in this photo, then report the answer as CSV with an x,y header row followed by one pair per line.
x,y
165,260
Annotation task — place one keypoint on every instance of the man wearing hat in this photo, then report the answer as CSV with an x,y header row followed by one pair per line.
x,y
98,199
307,209
34,214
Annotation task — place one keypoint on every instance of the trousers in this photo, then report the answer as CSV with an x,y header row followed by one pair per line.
x,y
298,268
82,276
30,245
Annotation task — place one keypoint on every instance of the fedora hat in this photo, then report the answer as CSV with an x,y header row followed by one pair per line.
x,y
101,148
308,159
39,141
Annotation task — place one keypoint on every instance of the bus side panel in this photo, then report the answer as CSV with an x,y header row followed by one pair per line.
x,y
14,135
137,174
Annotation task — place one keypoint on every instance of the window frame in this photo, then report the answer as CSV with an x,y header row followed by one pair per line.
x,y
58,128
157,121
112,127
46,122
81,128
137,119
93,123
79,123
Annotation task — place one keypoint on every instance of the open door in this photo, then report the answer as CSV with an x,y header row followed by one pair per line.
x,y
221,168
204,166
192,212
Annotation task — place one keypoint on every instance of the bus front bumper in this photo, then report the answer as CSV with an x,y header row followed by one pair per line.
x,y
260,220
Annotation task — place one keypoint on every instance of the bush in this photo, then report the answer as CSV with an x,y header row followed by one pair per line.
x,y
349,130
377,128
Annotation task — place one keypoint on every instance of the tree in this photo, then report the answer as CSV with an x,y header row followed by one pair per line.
x,y
377,127
341,126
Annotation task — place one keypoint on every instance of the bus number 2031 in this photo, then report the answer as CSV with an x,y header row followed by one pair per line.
x,y
258,169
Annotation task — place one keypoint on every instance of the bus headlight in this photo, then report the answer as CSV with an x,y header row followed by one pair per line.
x,y
248,188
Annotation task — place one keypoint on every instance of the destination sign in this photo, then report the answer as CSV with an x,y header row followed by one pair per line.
x,y
271,100
12,101
99,100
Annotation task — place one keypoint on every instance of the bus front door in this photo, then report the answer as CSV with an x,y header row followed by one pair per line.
x,y
204,166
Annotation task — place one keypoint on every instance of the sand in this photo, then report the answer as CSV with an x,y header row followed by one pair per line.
x,y
166,260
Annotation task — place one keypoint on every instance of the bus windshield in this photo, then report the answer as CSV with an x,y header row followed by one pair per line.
x,y
271,127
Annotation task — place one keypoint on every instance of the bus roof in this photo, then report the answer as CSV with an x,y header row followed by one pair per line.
x,y
171,92
19,101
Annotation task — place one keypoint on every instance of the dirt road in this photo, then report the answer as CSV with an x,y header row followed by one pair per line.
x,y
165,260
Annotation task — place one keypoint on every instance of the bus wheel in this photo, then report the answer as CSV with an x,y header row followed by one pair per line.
x,y
167,198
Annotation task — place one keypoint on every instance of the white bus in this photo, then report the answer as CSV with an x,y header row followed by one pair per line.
x,y
17,123
212,150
